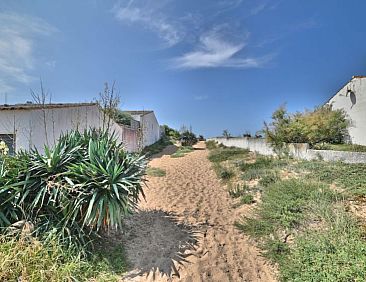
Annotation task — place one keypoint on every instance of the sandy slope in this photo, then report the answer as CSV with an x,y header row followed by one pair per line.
x,y
184,231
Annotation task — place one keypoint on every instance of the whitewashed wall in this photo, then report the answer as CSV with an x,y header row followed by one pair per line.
x,y
37,127
354,105
150,128
296,150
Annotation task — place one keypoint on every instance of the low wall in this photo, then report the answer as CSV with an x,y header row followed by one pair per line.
x,y
258,145
130,138
297,150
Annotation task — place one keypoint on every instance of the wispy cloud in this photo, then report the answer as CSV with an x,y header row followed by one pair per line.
x,y
221,45
215,51
18,36
151,18
257,9
200,97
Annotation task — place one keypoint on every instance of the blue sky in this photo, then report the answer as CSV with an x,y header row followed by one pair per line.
x,y
211,64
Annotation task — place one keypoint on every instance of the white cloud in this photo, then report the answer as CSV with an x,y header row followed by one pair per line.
x,y
257,9
200,97
51,64
215,51
150,18
18,36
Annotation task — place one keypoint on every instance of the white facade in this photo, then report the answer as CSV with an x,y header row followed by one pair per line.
x,y
36,126
149,126
352,99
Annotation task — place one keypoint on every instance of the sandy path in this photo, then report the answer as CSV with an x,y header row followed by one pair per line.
x,y
184,231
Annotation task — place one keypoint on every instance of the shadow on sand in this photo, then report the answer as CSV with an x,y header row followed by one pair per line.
x,y
155,242
168,150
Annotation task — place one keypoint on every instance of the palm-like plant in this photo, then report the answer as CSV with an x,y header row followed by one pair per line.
x,y
84,183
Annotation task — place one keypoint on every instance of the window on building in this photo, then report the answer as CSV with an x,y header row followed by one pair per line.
x,y
9,140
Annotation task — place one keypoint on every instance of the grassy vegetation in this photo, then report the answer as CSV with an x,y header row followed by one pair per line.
x,y
238,190
157,147
55,206
155,171
341,147
210,144
31,260
226,174
349,177
247,199
302,222
182,151
223,154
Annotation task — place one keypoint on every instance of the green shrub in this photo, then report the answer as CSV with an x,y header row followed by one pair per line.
x,y
322,125
122,117
210,145
188,138
85,183
170,132
226,174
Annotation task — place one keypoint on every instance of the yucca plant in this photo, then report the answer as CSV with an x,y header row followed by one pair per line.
x,y
85,183
107,184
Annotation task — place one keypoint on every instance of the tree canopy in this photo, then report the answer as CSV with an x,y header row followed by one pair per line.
x,y
321,125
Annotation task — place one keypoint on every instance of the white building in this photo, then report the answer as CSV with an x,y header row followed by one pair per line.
x,y
352,99
149,126
24,126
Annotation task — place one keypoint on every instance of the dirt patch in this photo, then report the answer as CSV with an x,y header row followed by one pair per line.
x,y
185,229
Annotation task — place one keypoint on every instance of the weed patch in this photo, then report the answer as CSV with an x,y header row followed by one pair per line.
x,y
247,199
155,171
226,174
210,145
224,154
238,190
182,151
351,177
334,254
48,261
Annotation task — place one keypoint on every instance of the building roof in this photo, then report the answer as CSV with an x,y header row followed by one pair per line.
x,y
31,106
139,113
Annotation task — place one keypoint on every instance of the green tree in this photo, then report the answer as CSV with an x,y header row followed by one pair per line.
x,y
321,125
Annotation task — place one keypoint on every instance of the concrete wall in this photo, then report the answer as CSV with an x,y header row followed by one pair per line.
x,y
150,128
130,139
298,151
38,127
354,104
258,145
